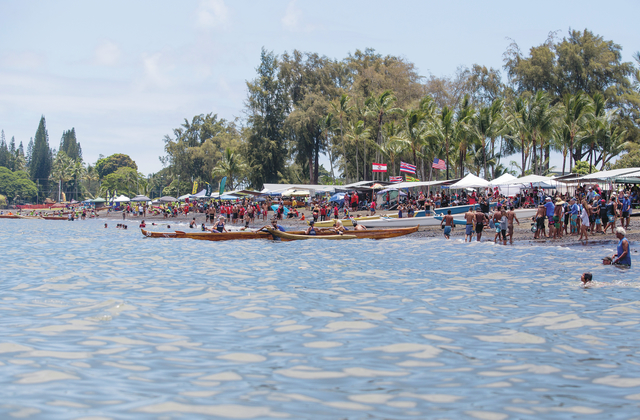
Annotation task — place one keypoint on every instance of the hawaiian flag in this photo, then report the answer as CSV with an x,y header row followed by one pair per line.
x,y
395,179
405,167
379,167
438,164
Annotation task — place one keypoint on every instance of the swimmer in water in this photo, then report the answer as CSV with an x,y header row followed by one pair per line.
x,y
586,279
105,225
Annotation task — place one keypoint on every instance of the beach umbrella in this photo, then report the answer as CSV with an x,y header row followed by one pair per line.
x,y
138,198
167,199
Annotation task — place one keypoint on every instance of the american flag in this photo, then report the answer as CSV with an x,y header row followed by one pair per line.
x,y
438,164
405,167
395,179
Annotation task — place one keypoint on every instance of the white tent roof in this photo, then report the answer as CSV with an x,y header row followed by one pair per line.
x,y
503,179
415,184
121,199
631,175
470,181
183,197
201,194
609,174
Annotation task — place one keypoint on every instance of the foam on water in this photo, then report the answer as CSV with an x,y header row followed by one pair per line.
x,y
107,323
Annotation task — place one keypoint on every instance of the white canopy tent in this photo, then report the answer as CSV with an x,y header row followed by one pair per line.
x,y
184,197
505,179
201,194
121,199
607,175
470,181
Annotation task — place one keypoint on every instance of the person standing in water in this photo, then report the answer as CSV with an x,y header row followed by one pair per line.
x,y
471,220
448,221
622,255
511,216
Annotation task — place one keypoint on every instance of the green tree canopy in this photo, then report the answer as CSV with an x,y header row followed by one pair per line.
x,y
109,165
41,156
16,185
70,145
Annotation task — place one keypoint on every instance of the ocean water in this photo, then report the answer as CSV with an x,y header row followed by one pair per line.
x,y
107,324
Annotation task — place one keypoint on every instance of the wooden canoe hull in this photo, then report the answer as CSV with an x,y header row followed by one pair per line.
x,y
151,234
9,216
294,237
227,236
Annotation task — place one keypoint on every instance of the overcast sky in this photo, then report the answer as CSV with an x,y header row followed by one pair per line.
x,y
125,73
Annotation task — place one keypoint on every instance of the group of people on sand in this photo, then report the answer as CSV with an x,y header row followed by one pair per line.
x,y
501,221
581,216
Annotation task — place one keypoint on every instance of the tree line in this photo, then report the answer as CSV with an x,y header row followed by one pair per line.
x,y
573,95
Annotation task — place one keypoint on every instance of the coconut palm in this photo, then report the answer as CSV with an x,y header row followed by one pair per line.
x,y
597,120
230,166
61,171
462,133
489,124
341,110
575,112
412,133
542,116
613,142
358,132
379,106
441,130
391,146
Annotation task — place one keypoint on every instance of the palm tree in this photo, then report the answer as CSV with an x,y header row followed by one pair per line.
x,y
326,125
613,142
595,125
462,134
342,109
441,131
91,175
412,133
61,171
378,107
575,115
358,132
392,146
541,123
519,128
488,124
78,172
230,166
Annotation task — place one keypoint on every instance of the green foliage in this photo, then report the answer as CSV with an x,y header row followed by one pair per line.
x,y
70,145
41,156
631,159
16,185
232,167
582,168
124,180
267,107
3,202
109,165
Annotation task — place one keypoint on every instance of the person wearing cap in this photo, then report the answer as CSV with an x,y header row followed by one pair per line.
x,y
622,255
550,208
626,207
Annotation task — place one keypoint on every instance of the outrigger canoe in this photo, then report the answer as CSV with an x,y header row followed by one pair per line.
x,y
292,237
226,236
9,216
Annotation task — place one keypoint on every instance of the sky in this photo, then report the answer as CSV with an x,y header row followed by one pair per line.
x,y
125,73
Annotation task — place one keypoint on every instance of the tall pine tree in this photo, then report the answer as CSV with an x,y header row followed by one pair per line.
x,y
4,151
41,157
70,145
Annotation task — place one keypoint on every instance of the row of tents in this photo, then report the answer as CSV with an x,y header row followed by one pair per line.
x,y
508,184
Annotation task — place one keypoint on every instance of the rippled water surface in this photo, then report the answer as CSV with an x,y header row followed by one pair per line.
x,y
104,323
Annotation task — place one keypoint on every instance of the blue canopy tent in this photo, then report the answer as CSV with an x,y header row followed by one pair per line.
x,y
337,198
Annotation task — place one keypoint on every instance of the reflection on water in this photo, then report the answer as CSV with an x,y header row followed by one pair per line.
x,y
104,323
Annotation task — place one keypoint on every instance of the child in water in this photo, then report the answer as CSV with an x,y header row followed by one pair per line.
x,y
586,279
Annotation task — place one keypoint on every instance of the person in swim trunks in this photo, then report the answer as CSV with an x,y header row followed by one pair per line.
x,y
539,219
470,217
448,221
511,216
557,219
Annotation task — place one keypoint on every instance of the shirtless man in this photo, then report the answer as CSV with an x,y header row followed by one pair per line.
x,y
511,216
480,218
448,224
470,217
338,226
497,216
539,219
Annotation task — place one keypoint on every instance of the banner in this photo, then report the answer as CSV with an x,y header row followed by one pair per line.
x,y
395,179
195,187
379,167
438,164
405,167
411,179
208,193
222,185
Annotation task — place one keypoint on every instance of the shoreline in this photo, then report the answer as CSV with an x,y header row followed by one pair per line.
x,y
522,233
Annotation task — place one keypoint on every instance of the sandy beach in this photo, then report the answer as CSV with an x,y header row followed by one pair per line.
x,y
522,232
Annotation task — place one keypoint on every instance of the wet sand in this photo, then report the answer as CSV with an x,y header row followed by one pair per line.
x,y
522,232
